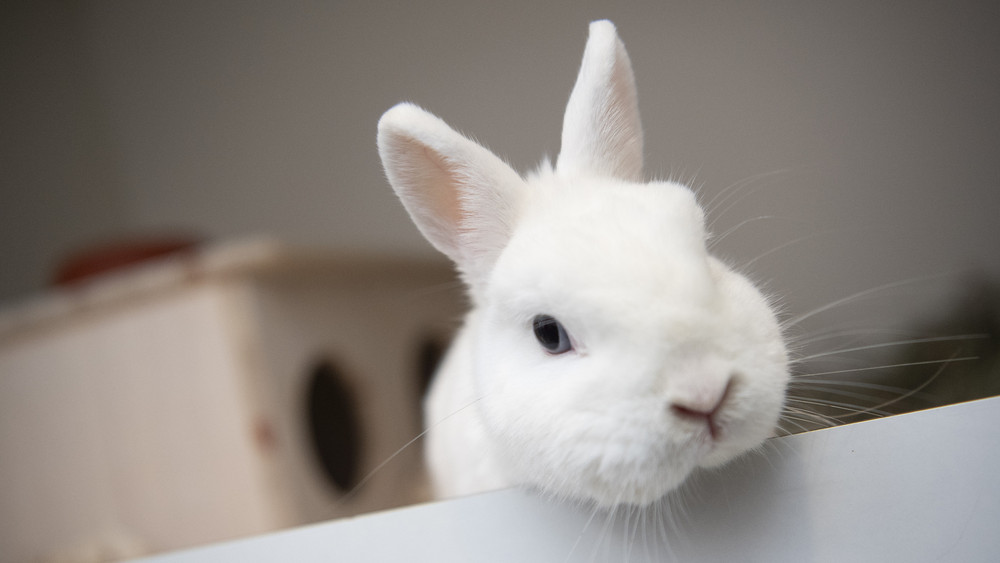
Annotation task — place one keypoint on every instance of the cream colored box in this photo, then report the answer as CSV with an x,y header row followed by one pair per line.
x,y
231,392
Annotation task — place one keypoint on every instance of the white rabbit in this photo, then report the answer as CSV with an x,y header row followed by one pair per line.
x,y
606,355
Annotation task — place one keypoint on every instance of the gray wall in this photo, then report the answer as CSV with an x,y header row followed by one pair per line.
x,y
871,128
59,171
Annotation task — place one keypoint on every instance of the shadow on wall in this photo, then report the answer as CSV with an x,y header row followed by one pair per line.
x,y
952,358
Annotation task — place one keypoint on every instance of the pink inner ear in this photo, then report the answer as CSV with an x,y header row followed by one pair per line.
x,y
461,196
444,190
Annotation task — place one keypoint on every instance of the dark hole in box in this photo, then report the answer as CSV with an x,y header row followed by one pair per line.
x,y
334,425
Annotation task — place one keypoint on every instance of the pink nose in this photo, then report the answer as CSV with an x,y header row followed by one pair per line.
x,y
702,408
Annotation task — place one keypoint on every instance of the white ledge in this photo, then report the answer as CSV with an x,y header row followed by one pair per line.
x,y
915,487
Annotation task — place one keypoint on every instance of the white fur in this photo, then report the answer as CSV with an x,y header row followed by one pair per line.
x,y
655,321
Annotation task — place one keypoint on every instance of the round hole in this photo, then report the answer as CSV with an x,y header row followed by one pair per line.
x,y
429,356
334,426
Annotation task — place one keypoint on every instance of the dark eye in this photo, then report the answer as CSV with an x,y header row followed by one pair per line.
x,y
551,334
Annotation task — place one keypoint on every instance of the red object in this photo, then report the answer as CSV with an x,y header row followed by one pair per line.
x,y
107,257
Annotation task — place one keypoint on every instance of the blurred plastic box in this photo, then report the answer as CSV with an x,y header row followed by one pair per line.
x,y
237,390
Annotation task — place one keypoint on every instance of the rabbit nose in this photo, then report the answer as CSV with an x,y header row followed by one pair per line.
x,y
702,407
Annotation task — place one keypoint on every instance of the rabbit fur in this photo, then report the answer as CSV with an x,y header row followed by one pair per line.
x,y
607,355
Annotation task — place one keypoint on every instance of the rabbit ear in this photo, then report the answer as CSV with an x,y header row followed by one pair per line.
x,y
601,133
461,196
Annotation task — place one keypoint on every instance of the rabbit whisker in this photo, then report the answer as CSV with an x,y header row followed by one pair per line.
x,y
877,409
368,477
717,239
825,385
895,343
890,366
853,333
593,513
853,410
747,265
737,189
795,415
856,297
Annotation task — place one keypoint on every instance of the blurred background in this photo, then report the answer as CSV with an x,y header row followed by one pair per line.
x,y
876,120
840,147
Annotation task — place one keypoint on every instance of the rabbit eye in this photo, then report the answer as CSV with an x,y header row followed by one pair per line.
x,y
551,334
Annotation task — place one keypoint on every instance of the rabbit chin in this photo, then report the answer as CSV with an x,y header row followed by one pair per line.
x,y
622,468
612,479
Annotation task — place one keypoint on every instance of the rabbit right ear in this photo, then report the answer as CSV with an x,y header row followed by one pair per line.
x,y
602,134
461,196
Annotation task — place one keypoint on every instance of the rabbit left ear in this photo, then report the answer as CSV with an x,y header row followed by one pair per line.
x,y
602,134
461,196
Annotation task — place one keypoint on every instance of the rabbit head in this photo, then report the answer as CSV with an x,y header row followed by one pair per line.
x,y
611,354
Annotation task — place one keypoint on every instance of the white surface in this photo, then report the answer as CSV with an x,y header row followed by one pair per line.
x,y
916,487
